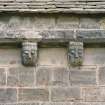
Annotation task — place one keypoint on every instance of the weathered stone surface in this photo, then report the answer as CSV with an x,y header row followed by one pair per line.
x,y
60,77
65,94
97,103
8,95
52,76
28,104
53,83
51,28
19,35
101,75
102,23
84,68
89,23
33,95
18,28
53,35
20,76
67,22
2,77
43,76
22,104
56,57
49,6
57,103
94,94
91,36
43,22
56,35
83,77
12,56
60,35
94,56
81,103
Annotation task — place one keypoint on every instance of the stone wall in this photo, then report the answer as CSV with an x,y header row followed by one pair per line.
x,y
53,81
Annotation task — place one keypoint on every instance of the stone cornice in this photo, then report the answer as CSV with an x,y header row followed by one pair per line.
x,y
66,35
53,6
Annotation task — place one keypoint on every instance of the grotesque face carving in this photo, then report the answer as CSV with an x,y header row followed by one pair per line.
x,y
75,53
29,53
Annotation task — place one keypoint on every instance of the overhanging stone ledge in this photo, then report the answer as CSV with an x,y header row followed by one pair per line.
x,y
83,35
61,35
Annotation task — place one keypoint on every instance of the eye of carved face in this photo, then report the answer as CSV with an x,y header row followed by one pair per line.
x,y
26,51
75,52
32,52
72,51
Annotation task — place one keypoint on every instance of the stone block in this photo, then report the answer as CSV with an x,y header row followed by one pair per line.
x,y
21,104
91,36
12,56
20,76
8,95
28,104
89,23
94,56
65,94
79,77
52,76
102,23
84,68
67,22
57,103
94,94
44,22
43,76
81,103
56,57
24,23
101,75
2,77
36,94
60,77
59,35
14,22
97,103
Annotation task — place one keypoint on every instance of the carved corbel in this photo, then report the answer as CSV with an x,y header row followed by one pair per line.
x,y
75,53
29,53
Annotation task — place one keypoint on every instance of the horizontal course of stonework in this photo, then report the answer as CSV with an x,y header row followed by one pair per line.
x,y
51,28
52,81
87,36
53,6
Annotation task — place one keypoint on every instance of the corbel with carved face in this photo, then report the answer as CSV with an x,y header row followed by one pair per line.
x,y
29,53
75,53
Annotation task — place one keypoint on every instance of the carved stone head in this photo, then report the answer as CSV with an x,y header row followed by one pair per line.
x,y
75,53
29,53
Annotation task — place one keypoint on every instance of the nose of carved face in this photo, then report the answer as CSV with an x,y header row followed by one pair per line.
x,y
29,55
76,53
